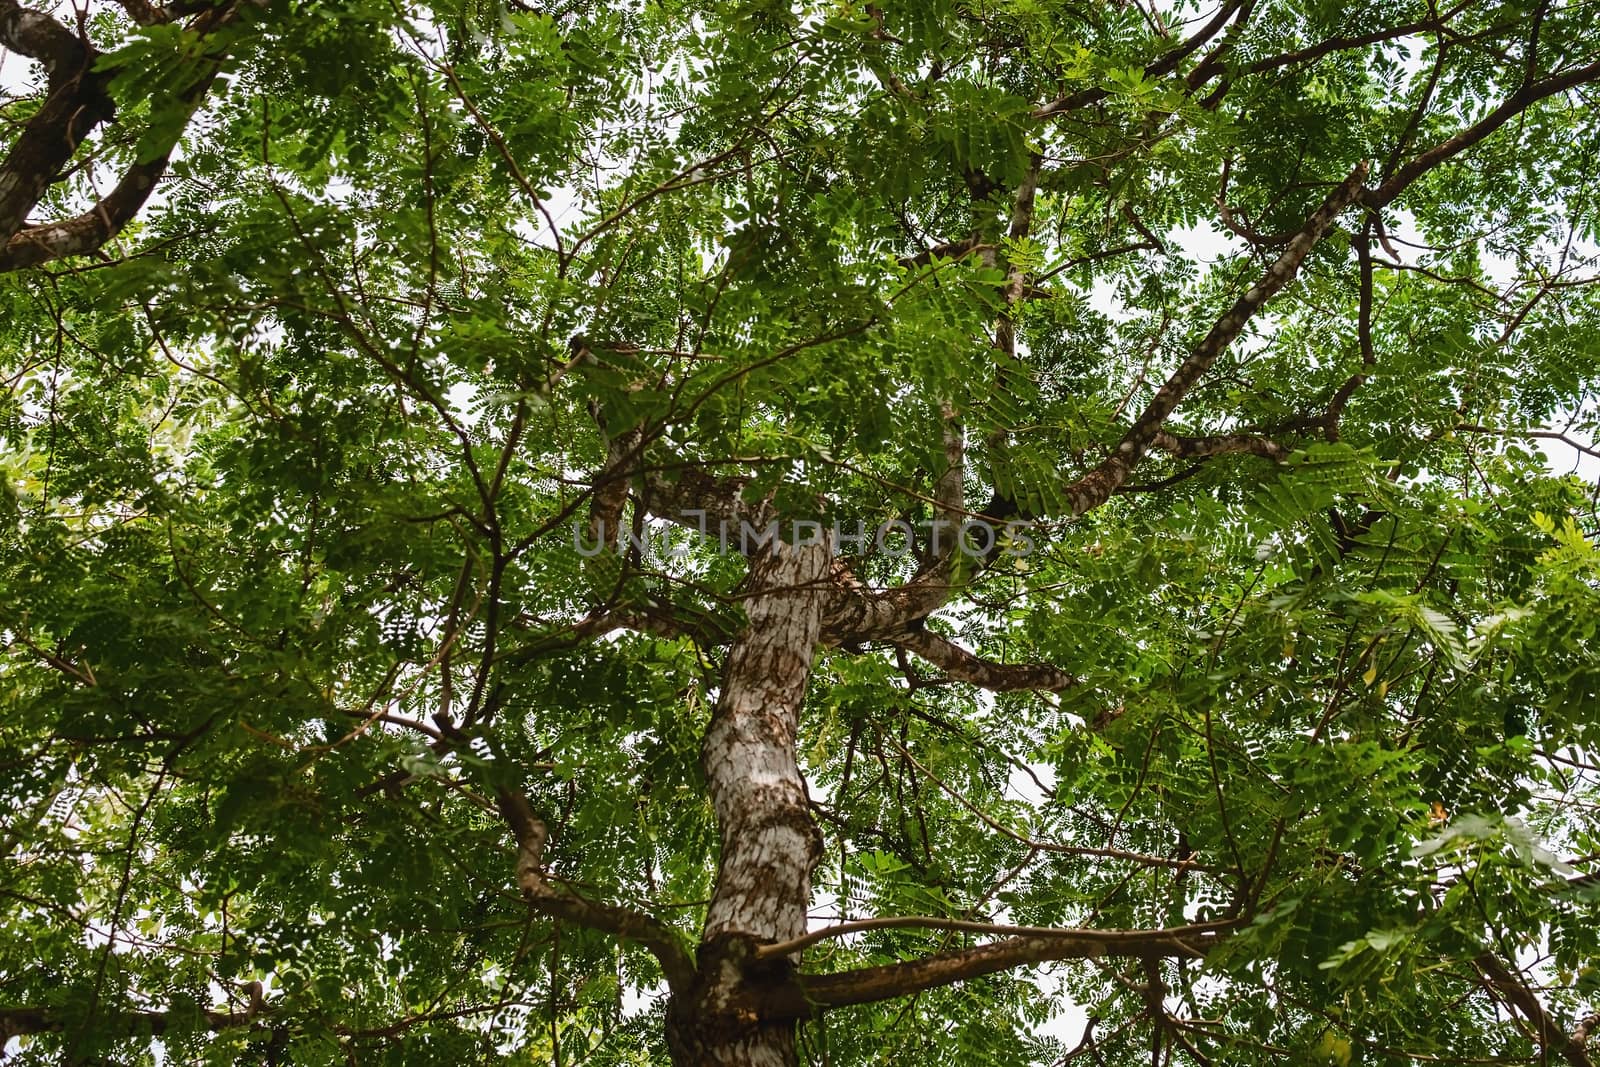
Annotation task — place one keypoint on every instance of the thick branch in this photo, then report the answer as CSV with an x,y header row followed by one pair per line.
x,y
855,613
39,37
1208,67
694,497
1550,1035
88,231
870,984
143,12
75,105
1221,444
18,1022
962,666
562,903
647,615
1094,488
1529,94
947,250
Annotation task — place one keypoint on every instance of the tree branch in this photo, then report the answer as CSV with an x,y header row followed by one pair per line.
x,y
1219,445
690,495
864,615
88,231
39,37
1039,945
947,250
1369,359
1328,45
1525,97
610,485
18,1022
143,12
856,613
76,102
562,903
1161,67
962,666
933,922
1544,435
1550,1035
1096,487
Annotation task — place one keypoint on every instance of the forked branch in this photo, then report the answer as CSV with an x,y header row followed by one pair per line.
x,y
75,104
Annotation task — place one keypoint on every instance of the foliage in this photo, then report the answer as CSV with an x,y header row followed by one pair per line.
x,y
299,465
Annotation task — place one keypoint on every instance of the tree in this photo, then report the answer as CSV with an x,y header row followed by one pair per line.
x,y
749,533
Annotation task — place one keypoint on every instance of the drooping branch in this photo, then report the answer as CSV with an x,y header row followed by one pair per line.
x,y
561,903
1201,449
1240,226
1094,488
1179,864
962,666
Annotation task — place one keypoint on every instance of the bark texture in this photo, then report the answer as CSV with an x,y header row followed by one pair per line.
x,y
770,845
76,103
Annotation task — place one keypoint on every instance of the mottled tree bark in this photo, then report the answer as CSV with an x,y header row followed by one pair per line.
x,y
76,103
770,845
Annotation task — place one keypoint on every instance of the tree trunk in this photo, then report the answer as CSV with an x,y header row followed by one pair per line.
x,y
770,845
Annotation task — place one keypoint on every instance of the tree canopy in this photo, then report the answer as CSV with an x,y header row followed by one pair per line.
x,y
737,532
